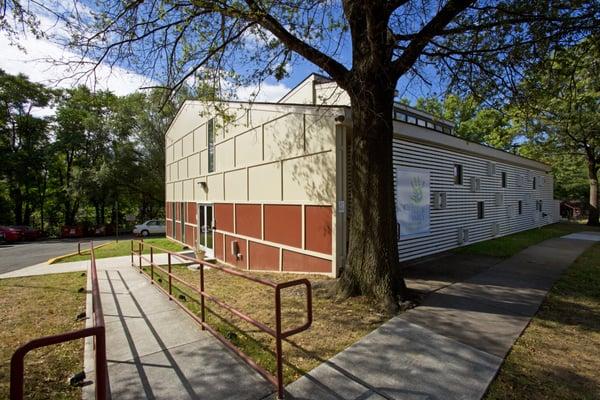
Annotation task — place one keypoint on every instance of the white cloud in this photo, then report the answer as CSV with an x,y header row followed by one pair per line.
x,y
269,92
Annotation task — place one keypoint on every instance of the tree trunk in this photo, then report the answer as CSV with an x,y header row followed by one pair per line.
x,y
593,219
373,267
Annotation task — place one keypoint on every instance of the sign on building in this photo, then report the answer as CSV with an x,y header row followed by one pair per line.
x,y
412,201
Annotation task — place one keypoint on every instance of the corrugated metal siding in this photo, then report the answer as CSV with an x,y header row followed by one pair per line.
x,y
461,210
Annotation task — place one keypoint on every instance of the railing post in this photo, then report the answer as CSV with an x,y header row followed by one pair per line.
x,y
16,376
170,280
152,265
140,256
278,345
79,248
132,264
202,312
101,366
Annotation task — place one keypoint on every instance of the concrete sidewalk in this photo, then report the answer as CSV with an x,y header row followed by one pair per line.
x,y
452,345
156,351
76,266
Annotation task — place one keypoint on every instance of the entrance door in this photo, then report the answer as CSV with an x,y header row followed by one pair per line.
x,y
205,229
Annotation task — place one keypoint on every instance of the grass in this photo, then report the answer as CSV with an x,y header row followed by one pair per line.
x,y
507,246
336,325
122,248
39,306
558,355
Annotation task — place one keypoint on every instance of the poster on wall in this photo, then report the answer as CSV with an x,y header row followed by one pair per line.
x,y
412,201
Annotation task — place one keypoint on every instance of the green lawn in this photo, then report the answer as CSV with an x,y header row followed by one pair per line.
x,y
39,306
558,355
123,248
507,246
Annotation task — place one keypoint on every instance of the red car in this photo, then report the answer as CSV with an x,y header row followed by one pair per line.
x,y
28,232
11,234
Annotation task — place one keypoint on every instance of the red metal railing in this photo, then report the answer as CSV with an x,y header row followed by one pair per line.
x,y
97,330
276,333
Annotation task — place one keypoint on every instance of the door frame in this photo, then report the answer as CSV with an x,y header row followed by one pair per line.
x,y
202,209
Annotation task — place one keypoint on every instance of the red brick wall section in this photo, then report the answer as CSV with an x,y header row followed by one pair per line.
x,y
169,228
190,236
177,211
297,262
230,257
318,228
177,231
283,224
263,257
224,217
168,210
248,220
191,213
218,245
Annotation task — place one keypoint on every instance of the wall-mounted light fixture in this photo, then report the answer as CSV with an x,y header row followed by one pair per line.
x,y
203,185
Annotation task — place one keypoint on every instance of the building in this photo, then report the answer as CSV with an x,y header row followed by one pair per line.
x,y
264,186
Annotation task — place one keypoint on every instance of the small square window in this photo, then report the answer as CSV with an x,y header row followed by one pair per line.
x,y
458,174
520,207
480,210
504,179
411,120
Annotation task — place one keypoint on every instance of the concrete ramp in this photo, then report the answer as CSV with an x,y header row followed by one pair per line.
x,y
156,351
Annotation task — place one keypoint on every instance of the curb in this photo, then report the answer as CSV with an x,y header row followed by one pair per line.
x,y
55,259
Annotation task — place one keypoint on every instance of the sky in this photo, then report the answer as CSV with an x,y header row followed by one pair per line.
x,y
37,59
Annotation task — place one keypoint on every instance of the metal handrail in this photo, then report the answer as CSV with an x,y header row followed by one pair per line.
x,y
277,333
97,330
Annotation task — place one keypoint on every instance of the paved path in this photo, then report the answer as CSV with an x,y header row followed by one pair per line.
x,y
155,351
75,266
15,256
453,344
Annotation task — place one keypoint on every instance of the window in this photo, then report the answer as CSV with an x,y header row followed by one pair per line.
x,y
411,120
520,207
504,179
211,144
480,210
534,183
539,205
458,174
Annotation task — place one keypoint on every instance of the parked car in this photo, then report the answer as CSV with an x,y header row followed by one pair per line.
x,y
151,227
11,234
28,232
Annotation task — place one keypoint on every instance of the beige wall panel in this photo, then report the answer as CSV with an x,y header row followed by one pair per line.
x,y
188,144
331,94
169,154
310,178
248,148
320,133
177,150
225,155
188,190
182,169
215,187
258,117
200,138
204,162
265,182
303,94
194,165
169,192
238,123
236,185
178,191
284,137
189,118
199,193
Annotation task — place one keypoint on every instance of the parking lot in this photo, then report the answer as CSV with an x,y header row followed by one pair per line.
x,y
14,256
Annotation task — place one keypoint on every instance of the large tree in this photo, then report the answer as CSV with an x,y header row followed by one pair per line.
x,y
365,46
563,92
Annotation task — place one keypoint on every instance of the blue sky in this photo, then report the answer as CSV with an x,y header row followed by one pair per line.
x,y
38,61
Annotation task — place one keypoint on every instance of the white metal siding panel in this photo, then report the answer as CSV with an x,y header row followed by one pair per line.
x,y
461,209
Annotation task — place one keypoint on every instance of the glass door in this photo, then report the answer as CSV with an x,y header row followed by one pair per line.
x,y
205,229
